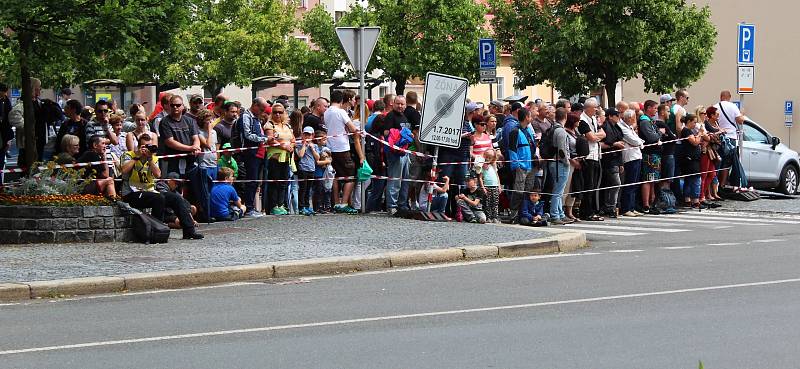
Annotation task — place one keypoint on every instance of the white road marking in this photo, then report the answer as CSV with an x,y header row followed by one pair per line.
x,y
624,251
671,218
609,233
734,218
390,317
642,223
725,244
676,247
752,214
624,228
771,240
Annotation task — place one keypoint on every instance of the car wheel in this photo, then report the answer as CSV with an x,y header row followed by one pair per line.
x,y
788,184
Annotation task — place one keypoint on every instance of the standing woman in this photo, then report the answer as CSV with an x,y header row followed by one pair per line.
x,y
280,140
690,160
296,122
710,182
575,178
480,139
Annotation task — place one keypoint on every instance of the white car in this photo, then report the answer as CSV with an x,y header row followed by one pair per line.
x,y
767,162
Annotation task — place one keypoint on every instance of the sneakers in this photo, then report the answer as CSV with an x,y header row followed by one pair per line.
x,y
392,212
279,210
630,214
253,214
191,234
638,214
557,222
306,212
344,209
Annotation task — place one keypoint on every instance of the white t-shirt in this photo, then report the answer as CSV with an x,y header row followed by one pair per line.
x,y
336,119
728,125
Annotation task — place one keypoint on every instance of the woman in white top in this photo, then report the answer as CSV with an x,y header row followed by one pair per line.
x,y
632,161
132,138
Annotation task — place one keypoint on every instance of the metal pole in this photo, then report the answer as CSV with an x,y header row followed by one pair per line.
x,y
740,129
433,177
491,93
361,105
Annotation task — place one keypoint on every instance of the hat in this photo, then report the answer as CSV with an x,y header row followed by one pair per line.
x,y
471,107
497,103
370,104
226,145
308,130
516,106
666,98
517,98
611,112
195,97
173,175
66,91
268,110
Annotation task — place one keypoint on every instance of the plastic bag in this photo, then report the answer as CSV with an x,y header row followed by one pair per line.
x,y
365,172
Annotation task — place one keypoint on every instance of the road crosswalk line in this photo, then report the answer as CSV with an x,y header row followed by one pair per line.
x,y
622,228
610,233
740,219
673,219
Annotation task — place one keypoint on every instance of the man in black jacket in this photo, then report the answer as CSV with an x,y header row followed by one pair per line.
x,y
611,162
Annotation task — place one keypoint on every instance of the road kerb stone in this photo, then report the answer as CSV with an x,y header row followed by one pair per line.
x,y
334,265
569,242
14,291
527,248
480,252
197,277
76,286
417,257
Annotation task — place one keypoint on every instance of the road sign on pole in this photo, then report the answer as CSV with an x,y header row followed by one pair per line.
x,y
745,79
487,60
788,113
746,46
443,113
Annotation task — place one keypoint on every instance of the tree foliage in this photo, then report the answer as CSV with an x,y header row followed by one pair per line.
x,y
234,41
579,45
417,36
65,42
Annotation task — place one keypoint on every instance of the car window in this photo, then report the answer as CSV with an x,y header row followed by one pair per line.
x,y
752,134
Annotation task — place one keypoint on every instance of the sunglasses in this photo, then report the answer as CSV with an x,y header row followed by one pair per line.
x,y
277,112
102,111
176,105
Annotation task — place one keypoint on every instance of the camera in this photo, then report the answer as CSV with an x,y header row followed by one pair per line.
x,y
150,147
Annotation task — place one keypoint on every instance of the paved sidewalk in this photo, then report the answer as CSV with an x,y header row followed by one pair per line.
x,y
251,241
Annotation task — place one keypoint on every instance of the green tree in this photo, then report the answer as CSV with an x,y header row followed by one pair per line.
x,y
68,41
417,37
579,45
234,41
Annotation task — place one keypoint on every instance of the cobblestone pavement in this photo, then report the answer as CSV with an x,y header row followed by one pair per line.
x,y
764,205
249,241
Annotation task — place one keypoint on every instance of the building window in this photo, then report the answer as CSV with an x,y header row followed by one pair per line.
x,y
337,15
501,87
517,91
304,4
302,38
383,91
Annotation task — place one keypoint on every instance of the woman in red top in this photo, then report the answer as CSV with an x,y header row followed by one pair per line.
x,y
480,139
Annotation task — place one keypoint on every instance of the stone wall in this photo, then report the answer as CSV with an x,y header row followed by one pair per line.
x,y
50,224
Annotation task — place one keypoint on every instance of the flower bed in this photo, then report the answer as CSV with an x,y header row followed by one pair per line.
x,y
54,200
62,221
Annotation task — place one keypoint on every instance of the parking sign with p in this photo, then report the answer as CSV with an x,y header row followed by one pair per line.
x,y
746,46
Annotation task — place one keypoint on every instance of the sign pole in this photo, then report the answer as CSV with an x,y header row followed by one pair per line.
x,y
361,106
491,92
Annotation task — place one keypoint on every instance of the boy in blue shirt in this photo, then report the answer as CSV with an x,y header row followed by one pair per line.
x,y
225,202
532,211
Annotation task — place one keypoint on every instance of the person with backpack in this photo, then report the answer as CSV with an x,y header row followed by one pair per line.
x,y
555,145
611,162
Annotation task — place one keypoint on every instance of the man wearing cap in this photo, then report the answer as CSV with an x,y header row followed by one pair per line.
x,y
195,104
496,109
226,160
611,161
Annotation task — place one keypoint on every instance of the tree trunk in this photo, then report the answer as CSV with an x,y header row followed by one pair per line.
x,y
611,91
26,42
400,85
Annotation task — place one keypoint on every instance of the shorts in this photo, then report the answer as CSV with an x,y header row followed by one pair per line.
x,y
344,165
651,167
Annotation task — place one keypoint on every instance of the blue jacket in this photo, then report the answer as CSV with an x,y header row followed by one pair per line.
x,y
530,209
250,129
509,124
521,148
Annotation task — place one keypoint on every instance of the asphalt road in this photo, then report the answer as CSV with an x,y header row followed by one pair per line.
x,y
729,299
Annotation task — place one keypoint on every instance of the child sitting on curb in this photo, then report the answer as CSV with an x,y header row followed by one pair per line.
x,y
225,203
470,201
531,213
439,198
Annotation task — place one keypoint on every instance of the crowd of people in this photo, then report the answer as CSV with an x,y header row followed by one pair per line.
x,y
532,163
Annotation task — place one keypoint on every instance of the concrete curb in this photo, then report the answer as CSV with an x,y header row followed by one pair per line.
x,y
554,243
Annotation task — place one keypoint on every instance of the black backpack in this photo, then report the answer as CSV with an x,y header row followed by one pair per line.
x,y
148,229
547,149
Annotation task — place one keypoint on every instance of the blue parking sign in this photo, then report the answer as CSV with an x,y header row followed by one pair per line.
x,y
487,53
747,43
788,107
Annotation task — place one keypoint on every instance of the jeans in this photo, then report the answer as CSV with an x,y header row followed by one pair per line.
x,y
559,171
632,175
438,203
203,189
397,190
305,181
375,195
691,187
292,193
612,179
471,214
252,166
